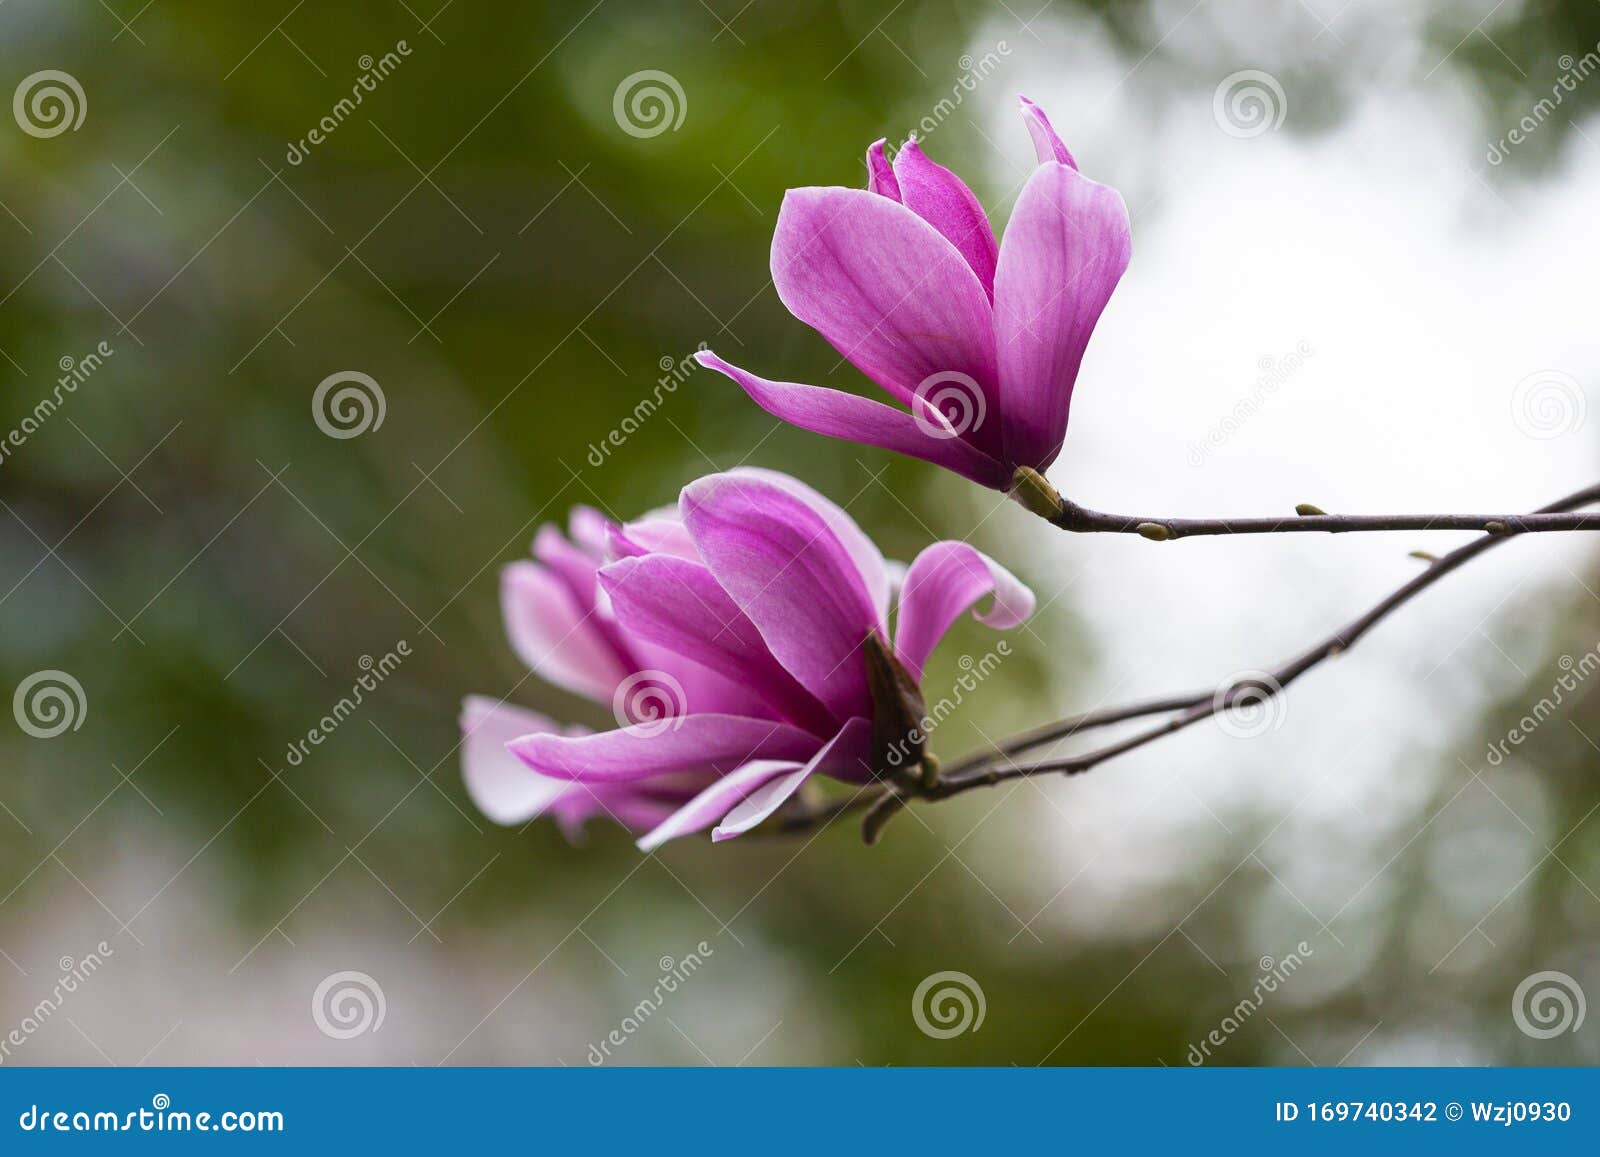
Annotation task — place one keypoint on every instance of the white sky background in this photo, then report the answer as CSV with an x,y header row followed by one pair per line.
x,y
1427,286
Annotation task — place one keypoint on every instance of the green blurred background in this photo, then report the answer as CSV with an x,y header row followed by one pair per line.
x,y
484,240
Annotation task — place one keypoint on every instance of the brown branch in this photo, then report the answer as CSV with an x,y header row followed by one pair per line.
x,y
1034,492
998,764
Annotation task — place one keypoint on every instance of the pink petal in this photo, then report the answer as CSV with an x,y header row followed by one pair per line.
x,y
589,529
749,794
686,684
862,550
842,750
572,565
944,581
714,802
1064,250
788,571
1046,144
660,532
555,636
856,419
880,175
676,604
502,787
943,200
881,284
689,743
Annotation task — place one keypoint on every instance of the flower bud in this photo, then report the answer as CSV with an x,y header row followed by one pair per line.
x,y
898,743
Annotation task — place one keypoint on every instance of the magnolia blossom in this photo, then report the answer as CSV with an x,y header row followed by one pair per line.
x,y
742,641
980,342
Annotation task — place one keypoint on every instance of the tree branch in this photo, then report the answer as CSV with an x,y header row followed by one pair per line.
x,y
998,764
1032,490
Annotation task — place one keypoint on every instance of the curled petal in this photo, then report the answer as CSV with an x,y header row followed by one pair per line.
x,y
690,743
880,174
942,582
659,532
1047,145
840,756
856,419
717,800
749,794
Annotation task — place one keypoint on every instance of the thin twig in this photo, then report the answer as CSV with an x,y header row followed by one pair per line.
x,y
1081,519
1032,490
998,764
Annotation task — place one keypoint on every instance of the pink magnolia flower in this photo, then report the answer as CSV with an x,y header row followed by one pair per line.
x,y
733,639
981,342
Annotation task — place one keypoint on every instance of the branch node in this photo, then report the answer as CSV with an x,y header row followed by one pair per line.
x,y
1033,492
879,814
